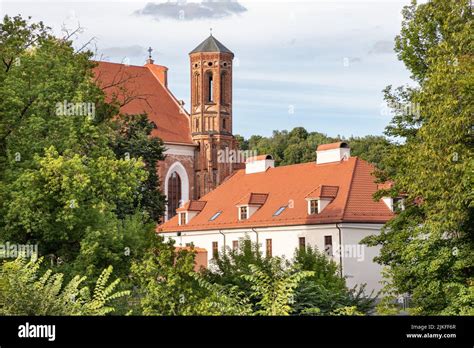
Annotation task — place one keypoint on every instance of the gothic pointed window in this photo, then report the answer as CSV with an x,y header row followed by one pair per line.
x,y
223,89
174,194
210,88
196,89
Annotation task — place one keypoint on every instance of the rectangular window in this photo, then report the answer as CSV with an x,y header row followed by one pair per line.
x,y
215,250
397,204
235,245
183,218
269,248
302,243
328,245
243,213
313,206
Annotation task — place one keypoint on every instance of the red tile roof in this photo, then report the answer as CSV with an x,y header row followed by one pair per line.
x,y
289,186
324,191
139,90
192,206
253,199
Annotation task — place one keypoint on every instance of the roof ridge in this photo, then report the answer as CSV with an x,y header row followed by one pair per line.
x,y
180,107
125,65
155,99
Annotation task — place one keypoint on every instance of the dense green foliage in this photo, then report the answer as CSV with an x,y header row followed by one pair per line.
x,y
299,146
168,285
307,285
429,246
274,289
84,187
325,290
24,292
133,140
79,182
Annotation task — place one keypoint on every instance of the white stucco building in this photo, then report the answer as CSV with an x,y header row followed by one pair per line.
x,y
327,204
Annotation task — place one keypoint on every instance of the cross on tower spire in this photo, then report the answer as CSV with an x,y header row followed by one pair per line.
x,y
149,60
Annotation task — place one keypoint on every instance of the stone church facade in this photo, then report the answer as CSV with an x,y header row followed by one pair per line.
x,y
194,138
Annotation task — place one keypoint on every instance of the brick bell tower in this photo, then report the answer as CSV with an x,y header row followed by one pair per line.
x,y
211,113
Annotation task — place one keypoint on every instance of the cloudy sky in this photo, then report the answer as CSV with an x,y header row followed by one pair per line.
x,y
319,64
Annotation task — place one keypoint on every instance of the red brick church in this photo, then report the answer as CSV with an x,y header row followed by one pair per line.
x,y
192,138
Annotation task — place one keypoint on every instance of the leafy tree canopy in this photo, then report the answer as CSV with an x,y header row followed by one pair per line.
x,y
429,246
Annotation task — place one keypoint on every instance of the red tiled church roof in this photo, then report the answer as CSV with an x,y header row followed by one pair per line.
x,y
139,90
288,186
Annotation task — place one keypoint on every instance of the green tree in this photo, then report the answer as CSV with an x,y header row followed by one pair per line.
x,y
24,292
325,291
65,182
228,269
371,148
168,285
321,293
299,146
242,143
275,290
133,139
429,245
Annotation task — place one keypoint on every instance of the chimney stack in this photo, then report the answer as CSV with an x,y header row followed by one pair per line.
x,y
334,152
259,164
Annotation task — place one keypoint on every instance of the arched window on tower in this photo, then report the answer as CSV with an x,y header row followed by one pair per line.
x,y
196,126
223,89
210,88
196,89
174,194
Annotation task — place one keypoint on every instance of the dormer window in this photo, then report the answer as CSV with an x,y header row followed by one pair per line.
x,y
250,203
243,213
320,198
182,218
189,210
394,204
398,204
313,206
